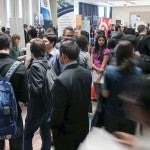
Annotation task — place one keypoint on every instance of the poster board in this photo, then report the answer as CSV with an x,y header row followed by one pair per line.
x,y
140,16
16,27
65,15
86,26
105,24
46,13
78,21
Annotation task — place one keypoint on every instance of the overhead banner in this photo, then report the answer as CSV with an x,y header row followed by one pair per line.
x,y
46,12
65,14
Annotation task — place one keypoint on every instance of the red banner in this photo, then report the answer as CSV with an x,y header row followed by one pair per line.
x,y
105,24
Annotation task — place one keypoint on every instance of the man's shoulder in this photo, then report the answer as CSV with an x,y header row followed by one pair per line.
x,y
84,70
111,70
8,62
39,65
21,69
142,37
67,73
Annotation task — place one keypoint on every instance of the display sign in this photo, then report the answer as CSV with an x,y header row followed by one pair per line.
x,y
105,24
65,14
46,12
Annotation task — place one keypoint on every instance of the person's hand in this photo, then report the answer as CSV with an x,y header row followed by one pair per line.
x,y
126,139
99,78
100,70
137,53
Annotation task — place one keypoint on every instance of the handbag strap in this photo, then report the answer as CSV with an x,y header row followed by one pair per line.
x,y
12,69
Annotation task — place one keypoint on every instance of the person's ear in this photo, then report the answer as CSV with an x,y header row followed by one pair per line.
x,y
63,56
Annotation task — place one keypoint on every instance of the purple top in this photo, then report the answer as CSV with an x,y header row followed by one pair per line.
x,y
99,59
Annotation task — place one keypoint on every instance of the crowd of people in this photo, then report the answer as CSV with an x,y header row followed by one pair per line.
x,y
108,64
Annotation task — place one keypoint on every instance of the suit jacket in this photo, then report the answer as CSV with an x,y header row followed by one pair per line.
x,y
71,100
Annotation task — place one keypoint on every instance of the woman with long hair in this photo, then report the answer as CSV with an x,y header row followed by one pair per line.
x,y
99,57
115,81
14,51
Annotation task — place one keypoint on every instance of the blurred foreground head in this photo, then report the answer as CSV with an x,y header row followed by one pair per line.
x,y
136,98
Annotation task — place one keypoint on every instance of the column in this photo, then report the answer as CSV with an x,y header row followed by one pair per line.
x,y
8,12
53,8
1,12
18,9
27,12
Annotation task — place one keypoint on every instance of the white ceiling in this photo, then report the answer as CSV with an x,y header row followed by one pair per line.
x,y
118,3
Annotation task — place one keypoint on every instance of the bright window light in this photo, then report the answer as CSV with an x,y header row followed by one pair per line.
x,y
108,12
20,8
101,11
8,9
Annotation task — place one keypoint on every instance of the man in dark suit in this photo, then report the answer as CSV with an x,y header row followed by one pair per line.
x,y
71,100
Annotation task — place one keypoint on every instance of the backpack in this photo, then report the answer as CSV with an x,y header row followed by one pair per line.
x,y
48,85
8,105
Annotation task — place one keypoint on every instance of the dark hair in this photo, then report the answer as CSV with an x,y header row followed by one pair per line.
x,y
96,42
82,42
3,29
119,36
101,32
148,32
129,31
70,49
33,33
111,44
141,28
4,41
117,27
124,56
67,28
130,38
25,25
85,33
51,37
37,47
59,39
13,38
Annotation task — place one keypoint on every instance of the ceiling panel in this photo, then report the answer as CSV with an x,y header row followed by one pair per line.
x,y
118,3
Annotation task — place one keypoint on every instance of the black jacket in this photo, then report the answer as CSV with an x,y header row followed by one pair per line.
x,y
18,79
71,100
143,44
36,78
